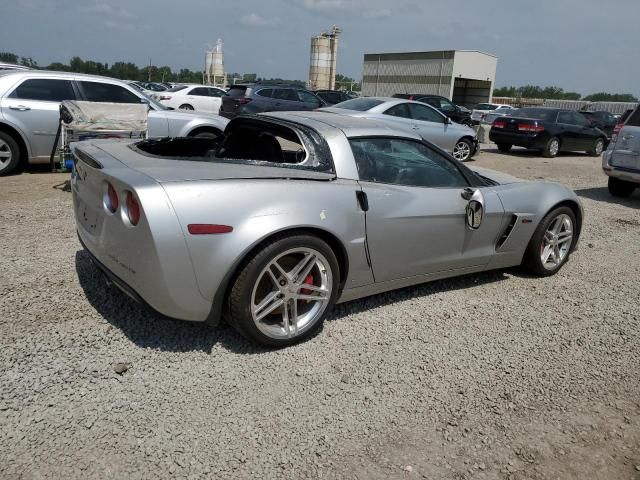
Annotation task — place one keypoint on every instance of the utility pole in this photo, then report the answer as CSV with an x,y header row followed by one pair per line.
x,y
149,71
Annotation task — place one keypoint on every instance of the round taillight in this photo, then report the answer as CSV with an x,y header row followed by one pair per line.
x,y
112,198
133,209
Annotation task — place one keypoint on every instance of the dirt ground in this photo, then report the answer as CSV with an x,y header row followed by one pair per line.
x,y
494,376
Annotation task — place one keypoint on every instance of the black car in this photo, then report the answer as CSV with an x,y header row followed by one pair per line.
x,y
444,105
550,130
331,97
257,98
605,121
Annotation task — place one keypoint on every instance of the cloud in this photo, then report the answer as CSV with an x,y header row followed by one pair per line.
x,y
380,13
255,20
104,9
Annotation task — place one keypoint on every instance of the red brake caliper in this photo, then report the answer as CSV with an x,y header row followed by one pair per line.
x,y
308,281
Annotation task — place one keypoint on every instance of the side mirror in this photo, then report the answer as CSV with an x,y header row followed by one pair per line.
x,y
448,121
474,212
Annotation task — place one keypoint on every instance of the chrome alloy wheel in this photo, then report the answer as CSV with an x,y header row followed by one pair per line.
x,y
598,148
461,151
556,242
5,155
554,147
291,293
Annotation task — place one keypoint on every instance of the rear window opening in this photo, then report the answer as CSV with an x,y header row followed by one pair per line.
x,y
249,141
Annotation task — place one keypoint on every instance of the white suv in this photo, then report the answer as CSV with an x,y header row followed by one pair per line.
x,y
621,161
30,103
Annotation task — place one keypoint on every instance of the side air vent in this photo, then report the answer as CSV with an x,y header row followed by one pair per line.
x,y
507,231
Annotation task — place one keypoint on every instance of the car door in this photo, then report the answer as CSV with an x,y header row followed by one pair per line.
x,y
215,99
433,126
199,99
568,132
398,116
585,133
285,100
308,100
34,107
93,91
415,213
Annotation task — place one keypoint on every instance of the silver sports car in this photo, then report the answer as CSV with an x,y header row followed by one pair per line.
x,y
288,213
459,140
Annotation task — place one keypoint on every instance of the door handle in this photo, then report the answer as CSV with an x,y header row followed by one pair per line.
x,y
415,127
20,108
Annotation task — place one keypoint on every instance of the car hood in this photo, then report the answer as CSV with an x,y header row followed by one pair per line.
x,y
499,177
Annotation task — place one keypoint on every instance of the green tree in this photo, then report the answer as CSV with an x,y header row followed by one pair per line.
x,y
611,97
7,57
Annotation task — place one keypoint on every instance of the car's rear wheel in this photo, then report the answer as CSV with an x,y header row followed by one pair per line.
x,y
9,154
620,188
186,106
462,150
552,148
206,134
551,243
285,290
597,148
504,147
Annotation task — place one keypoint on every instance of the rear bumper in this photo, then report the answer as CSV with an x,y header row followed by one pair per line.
x,y
519,140
626,174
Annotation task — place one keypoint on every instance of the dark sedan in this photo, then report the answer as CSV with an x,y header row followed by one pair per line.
x,y
550,130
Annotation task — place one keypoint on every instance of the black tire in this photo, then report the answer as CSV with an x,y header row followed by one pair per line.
x,y
463,154
620,188
241,294
597,147
206,134
531,261
186,106
504,147
549,151
10,156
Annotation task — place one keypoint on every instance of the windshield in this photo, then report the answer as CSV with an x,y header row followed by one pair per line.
x,y
177,88
486,106
359,104
535,113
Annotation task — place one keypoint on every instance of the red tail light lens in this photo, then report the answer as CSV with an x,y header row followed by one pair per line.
x,y
164,97
208,229
133,209
112,199
529,128
244,101
616,131
499,124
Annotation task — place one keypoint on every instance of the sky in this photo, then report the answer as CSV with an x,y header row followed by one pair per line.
x,y
580,45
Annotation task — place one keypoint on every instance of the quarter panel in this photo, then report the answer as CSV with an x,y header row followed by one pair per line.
x,y
257,209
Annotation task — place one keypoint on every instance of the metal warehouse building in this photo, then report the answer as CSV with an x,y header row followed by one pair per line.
x,y
465,76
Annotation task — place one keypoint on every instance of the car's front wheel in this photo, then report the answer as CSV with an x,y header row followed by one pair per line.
x,y
620,188
285,290
462,150
9,154
551,243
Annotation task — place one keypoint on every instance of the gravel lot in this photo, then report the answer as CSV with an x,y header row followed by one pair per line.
x,y
493,376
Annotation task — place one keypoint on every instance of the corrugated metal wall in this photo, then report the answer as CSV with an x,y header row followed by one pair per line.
x,y
612,107
386,74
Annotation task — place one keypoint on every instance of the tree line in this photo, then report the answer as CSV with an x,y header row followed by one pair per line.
x,y
152,73
557,93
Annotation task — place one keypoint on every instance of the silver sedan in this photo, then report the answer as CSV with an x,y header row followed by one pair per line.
x,y
291,212
459,140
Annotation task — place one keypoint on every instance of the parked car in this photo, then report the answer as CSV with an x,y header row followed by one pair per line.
x,y
484,108
621,161
331,97
334,199
489,117
29,112
605,121
455,112
550,130
256,98
199,98
621,119
459,140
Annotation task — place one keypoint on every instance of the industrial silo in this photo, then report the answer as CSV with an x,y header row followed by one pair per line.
x,y
214,65
322,69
